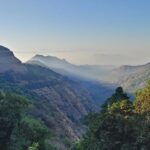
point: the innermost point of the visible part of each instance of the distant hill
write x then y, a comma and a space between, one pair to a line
61, 66
131, 78
88, 76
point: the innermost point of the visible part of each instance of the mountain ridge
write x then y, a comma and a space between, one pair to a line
9, 62
64, 67
58, 101
131, 77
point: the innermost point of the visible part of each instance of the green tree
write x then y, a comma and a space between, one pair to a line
119, 95
124, 107
11, 109
34, 146
142, 102
120, 125
33, 131
18, 130
112, 128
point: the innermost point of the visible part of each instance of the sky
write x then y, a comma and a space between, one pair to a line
82, 31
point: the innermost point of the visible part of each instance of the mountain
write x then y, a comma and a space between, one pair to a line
63, 67
56, 100
131, 78
9, 62
88, 76
61, 93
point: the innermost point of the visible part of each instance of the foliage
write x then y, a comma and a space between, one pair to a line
32, 131
142, 102
34, 146
11, 108
120, 125
119, 95
18, 131
123, 107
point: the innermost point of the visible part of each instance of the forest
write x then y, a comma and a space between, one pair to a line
121, 124
18, 130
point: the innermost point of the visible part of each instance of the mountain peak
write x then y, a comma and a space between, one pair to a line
7, 56
37, 56
8, 61
49, 59
2, 48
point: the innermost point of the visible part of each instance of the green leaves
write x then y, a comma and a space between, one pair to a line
119, 95
33, 130
124, 107
34, 146
11, 108
142, 102
120, 125
18, 131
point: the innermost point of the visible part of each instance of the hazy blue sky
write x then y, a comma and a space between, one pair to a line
81, 31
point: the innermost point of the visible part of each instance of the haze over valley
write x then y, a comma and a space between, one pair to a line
62, 93
74, 75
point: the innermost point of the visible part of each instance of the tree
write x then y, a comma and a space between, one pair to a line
33, 131
112, 128
124, 107
34, 146
120, 125
11, 109
18, 130
142, 102
119, 95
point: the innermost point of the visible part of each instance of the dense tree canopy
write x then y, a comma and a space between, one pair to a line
11, 107
119, 95
142, 103
120, 125
18, 131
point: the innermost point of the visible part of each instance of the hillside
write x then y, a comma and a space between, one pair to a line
99, 80
130, 77
61, 93
88, 76
59, 102
63, 67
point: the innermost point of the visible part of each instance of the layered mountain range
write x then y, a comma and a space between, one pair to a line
89, 76
62, 93
131, 78
64, 67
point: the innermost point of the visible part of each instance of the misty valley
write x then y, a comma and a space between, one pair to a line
49, 103
74, 74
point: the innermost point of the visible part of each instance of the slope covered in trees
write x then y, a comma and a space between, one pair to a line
18, 130
130, 77
56, 100
120, 125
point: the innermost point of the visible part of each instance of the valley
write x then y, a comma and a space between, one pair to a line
62, 94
